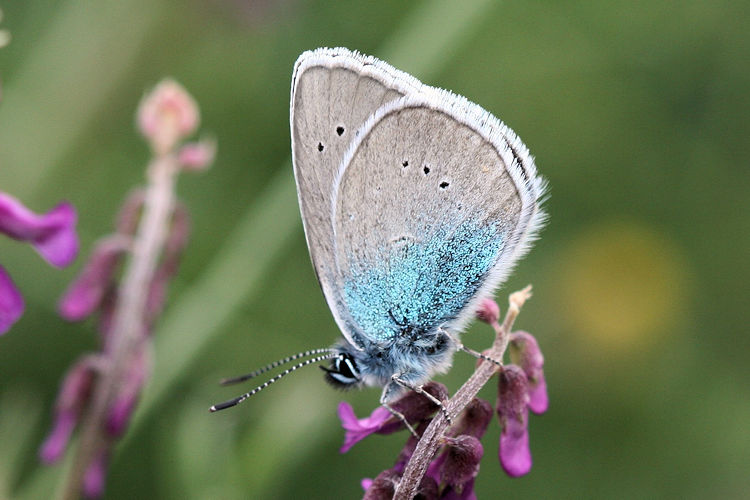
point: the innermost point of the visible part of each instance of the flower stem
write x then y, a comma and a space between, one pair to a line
432, 438
128, 328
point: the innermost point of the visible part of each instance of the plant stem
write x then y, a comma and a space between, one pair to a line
431, 440
128, 328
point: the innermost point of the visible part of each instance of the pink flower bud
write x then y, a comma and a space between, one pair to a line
166, 115
196, 156
488, 311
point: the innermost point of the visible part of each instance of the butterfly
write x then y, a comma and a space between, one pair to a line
416, 204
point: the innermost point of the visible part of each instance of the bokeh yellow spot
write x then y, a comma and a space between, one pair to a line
623, 285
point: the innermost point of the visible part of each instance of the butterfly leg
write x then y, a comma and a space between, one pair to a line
420, 390
394, 412
472, 352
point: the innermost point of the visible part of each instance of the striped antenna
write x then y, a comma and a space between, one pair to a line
271, 366
238, 400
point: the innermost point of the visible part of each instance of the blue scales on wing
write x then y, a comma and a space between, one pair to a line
418, 286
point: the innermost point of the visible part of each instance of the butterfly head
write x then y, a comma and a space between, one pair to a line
343, 373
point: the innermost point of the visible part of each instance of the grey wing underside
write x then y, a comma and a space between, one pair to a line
434, 202
333, 92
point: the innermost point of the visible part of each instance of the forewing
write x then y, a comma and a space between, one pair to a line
333, 92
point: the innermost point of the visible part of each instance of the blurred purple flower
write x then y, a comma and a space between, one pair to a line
512, 409
85, 294
125, 402
73, 397
52, 235
11, 302
94, 479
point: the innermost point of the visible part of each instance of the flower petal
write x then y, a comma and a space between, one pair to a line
462, 456
130, 390
358, 429
54, 446
525, 352
197, 156
466, 493
11, 302
513, 411
475, 419
52, 234
85, 294
95, 476
538, 399
383, 487
515, 456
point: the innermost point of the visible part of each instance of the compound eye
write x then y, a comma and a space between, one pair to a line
343, 372
347, 367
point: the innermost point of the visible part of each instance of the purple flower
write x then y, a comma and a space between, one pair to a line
414, 407
52, 235
54, 446
358, 429
475, 419
525, 352
177, 240
382, 487
95, 476
461, 464
86, 293
72, 399
11, 302
512, 409
124, 404
451, 473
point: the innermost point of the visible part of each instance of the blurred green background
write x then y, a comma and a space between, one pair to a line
636, 112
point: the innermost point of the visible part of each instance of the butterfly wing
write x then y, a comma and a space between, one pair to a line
435, 200
333, 92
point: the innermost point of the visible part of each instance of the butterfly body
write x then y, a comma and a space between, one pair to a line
416, 204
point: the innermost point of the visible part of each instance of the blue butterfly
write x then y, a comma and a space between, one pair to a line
416, 204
